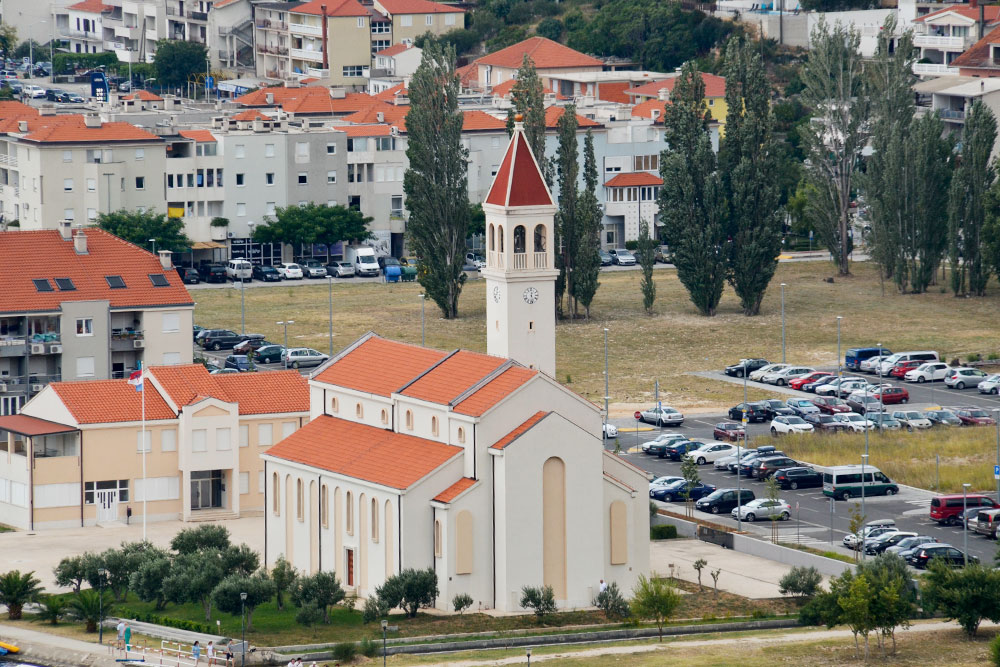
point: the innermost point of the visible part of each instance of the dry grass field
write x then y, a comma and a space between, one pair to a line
642, 348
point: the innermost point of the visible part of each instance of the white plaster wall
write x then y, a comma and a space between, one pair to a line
212, 458
479, 583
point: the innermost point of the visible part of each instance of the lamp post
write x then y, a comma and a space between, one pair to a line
243, 307
385, 626
864, 464
608, 396
996, 418
243, 628
965, 524
881, 406
528, 652
285, 323
101, 574
783, 322
839, 318
423, 330
329, 280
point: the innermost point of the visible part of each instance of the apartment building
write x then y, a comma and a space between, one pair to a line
550, 58
942, 36
230, 36
83, 304
408, 19
84, 26
77, 455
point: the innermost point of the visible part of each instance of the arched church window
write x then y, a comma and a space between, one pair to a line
539, 238
492, 238
519, 240
500, 238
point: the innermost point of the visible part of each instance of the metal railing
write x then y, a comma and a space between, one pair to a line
196, 15
8, 160
952, 114
273, 50
268, 24
934, 68
939, 41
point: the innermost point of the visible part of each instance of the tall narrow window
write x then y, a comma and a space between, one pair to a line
300, 501
374, 520
437, 538
359, 411
276, 500
409, 420
324, 505
434, 425
349, 513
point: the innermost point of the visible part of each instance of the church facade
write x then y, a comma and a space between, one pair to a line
480, 466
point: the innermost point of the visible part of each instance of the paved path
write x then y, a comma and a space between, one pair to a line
53, 649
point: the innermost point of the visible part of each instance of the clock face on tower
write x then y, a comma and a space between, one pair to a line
530, 295
496, 294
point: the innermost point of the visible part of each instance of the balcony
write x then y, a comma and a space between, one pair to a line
318, 72
268, 24
80, 34
128, 56
494, 260
939, 42
197, 16
303, 29
125, 340
952, 114
306, 54
111, 46
12, 347
8, 160
128, 32
172, 11
272, 49
933, 69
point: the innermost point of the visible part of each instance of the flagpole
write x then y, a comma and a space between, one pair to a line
145, 490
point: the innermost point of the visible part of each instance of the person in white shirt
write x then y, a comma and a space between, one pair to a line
604, 586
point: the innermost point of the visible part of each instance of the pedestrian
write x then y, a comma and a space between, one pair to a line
229, 654
121, 634
127, 636
210, 651
196, 651
604, 586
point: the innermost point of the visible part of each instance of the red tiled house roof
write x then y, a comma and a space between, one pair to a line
978, 55
333, 8
418, 7
475, 120
543, 52
715, 86
553, 114
256, 393
110, 401
455, 490
452, 377
635, 179
494, 391
379, 366
200, 136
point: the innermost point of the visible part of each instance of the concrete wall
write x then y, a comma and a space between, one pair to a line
755, 547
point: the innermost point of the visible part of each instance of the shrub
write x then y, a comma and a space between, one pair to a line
345, 651
802, 581
974, 357
550, 28
309, 614
653, 509
664, 532
611, 602
540, 599
631, 245
461, 602
993, 356
369, 648
409, 590
995, 651
371, 611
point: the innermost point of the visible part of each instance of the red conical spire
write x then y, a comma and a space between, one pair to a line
519, 181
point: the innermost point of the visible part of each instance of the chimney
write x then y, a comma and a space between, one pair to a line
973, 3
269, 98
66, 230
379, 116
92, 120
982, 19
80, 241
326, 62
663, 94
22, 126
165, 260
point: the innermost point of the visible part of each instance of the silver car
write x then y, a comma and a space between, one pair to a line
662, 416
301, 357
912, 419
764, 370
960, 378
781, 377
991, 385
762, 508
665, 438
342, 269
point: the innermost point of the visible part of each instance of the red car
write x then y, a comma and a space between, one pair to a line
971, 417
830, 405
900, 369
796, 383
729, 431
893, 395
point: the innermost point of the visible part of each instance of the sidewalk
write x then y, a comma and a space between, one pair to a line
56, 650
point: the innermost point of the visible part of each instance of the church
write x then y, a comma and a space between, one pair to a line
480, 466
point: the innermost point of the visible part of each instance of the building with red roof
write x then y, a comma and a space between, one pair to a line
944, 35
550, 59
479, 466
659, 91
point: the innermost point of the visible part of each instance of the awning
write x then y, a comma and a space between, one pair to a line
32, 426
207, 245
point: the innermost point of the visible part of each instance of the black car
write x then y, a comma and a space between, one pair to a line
943, 418
772, 407
766, 466
949, 554
676, 450
883, 542
387, 261
825, 423
723, 500
216, 339
676, 491
798, 478
810, 387
746, 366
746, 463
240, 362
188, 275
213, 273
70, 98
52, 94
267, 274
605, 258
754, 412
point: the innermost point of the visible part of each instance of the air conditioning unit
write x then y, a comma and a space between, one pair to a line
38, 348
55, 349
37, 387
138, 344
3, 387
229, 234
394, 131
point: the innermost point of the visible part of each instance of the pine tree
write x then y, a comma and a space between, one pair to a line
568, 169
692, 201
967, 201
436, 183
587, 265
748, 164
646, 258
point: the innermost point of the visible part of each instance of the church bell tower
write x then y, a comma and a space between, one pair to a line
520, 268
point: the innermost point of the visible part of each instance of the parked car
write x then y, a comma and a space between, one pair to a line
734, 465
301, 357
753, 412
312, 268
893, 359
724, 500
904, 367
851, 385
974, 417
763, 508
662, 416
267, 274
884, 421
830, 405
340, 269
987, 522
268, 354
854, 421
660, 442
622, 257
729, 431
790, 424
747, 464
658, 487
856, 356
680, 490
33, 91
711, 452
290, 271
912, 419
825, 423
948, 554
251, 343
969, 519
892, 395
216, 339
70, 98
745, 366
808, 378
868, 534
471, 260
773, 407
945, 509
239, 269
886, 540
872, 364
763, 370
213, 273
662, 254
990, 384
723, 462
609, 430
931, 371
942, 417
802, 406
765, 466
960, 378
908, 543
606, 258
188, 275
240, 362
864, 404
677, 450
781, 377
831, 388
811, 386
799, 477
196, 330
53, 93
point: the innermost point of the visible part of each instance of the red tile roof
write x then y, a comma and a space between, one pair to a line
418, 7
72, 129
91, 6
110, 401
395, 49
518, 181
9, 109
391, 114
145, 96
333, 8
219, 4
256, 393
364, 452
379, 366
978, 55
390, 94
545, 53
553, 114
613, 91
201, 136
715, 86
990, 13
494, 391
646, 109
365, 130
250, 114
473, 121
633, 180
468, 75
520, 430
454, 490
31, 426
107, 255
307, 100
453, 376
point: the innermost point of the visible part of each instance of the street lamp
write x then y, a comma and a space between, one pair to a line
783, 322
385, 626
864, 464
839, 318
285, 324
329, 280
528, 651
101, 574
965, 524
608, 396
881, 405
243, 628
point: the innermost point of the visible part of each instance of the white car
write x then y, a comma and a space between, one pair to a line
850, 385
832, 387
991, 385
960, 378
712, 452
289, 271
665, 438
912, 419
852, 541
610, 430
854, 421
662, 416
782, 376
871, 364
764, 370
790, 424
33, 91
930, 372
762, 508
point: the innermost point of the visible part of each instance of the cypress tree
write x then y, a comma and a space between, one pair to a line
587, 265
529, 101
568, 168
436, 182
646, 258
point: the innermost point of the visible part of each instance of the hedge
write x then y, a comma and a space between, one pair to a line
167, 621
663, 532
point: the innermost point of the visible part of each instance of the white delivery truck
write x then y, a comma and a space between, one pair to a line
363, 259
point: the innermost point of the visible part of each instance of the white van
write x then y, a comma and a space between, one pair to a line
363, 258
844, 482
239, 269
922, 356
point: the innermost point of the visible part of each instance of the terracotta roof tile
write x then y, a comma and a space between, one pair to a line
553, 114
107, 255
990, 13
418, 7
395, 49
454, 490
307, 99
31, 426
473, 121
390, 94
518, 181
91, 6
364, 452
110, 401
10, 108
379, 366
201, 136
145, 96
391, 114
545, 53
494, 391
71, 129
333, 8
256, 393
978, 55
219, 4
250, 114
468, 75
453, 376
715, 86
365, 130
633, 180
506, 88
520, 430
646, 109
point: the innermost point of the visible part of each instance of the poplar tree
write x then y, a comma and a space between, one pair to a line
748, 163
692, 201
587, 266
436, 182
967, 202
568, 169
529, 101
646, 258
